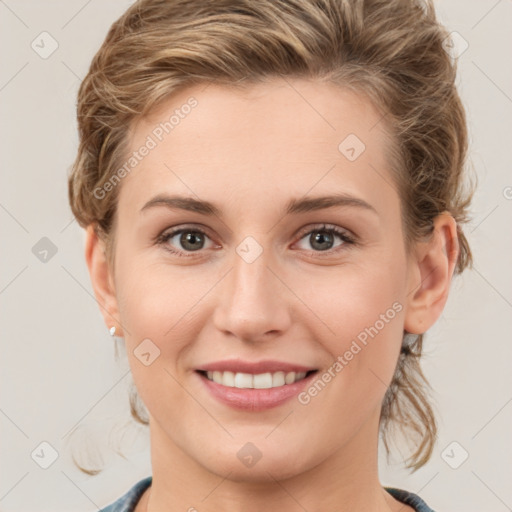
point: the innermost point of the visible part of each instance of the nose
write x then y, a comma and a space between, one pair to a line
253, 302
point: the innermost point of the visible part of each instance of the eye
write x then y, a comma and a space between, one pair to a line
187, 239
192, 239
322, 238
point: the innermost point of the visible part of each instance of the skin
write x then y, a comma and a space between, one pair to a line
249, 152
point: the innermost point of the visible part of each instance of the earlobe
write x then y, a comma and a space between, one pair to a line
434, 267
102, 279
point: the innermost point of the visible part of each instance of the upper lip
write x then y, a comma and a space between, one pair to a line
258, 367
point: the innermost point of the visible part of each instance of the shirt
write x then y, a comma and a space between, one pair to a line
128, 501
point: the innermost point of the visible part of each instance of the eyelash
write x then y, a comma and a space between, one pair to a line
164, 237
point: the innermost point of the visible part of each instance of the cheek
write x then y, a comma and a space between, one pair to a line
351, 299
149, 307
157, 314
154, 298
362, 316
166, 306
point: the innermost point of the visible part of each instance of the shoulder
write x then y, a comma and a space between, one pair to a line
409, 498
128, 501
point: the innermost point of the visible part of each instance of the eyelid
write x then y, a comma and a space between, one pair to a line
324, 226
174, 230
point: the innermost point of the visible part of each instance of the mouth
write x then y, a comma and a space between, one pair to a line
267, 380
253, 386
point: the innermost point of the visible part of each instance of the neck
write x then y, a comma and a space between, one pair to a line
346, 480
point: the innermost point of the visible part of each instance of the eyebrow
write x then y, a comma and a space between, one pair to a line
294, 206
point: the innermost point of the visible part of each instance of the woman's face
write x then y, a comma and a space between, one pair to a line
261, 280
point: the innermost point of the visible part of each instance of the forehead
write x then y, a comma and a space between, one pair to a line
278, 112
291, 135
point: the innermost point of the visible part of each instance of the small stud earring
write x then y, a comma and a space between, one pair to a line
112, 330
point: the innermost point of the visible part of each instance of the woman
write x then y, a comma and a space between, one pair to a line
272, 199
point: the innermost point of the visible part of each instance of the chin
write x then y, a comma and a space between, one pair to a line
262, 468
261, 473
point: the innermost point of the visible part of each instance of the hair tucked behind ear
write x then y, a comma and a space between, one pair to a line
389, 50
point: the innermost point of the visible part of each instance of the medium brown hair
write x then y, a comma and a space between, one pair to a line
389, 50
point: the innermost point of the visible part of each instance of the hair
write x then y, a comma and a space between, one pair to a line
390, 51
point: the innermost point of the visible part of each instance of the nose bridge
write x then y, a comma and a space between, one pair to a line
251, 302
251, 278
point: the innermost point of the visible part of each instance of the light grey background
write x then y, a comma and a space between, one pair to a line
58, 371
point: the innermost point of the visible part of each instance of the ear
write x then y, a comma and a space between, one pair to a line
102, 279
432, 270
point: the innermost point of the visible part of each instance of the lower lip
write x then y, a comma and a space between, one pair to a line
248, 399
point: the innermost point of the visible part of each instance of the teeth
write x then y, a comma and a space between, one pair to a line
242, 380
259, 381
278, 379
289, 378
228, 378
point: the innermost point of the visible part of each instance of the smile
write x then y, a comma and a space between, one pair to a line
258, 381
254, 385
